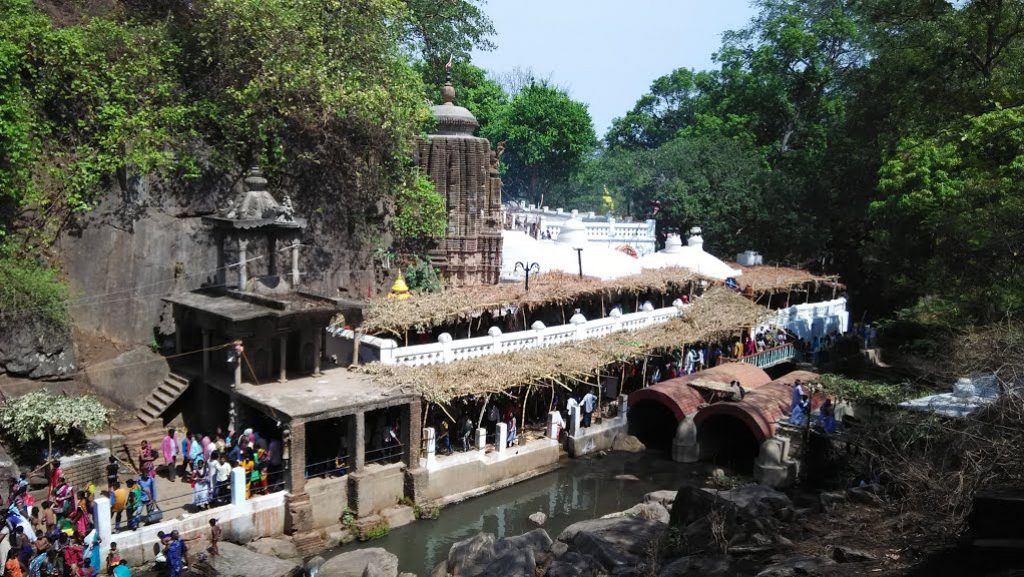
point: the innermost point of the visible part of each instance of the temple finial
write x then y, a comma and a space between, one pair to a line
448, 91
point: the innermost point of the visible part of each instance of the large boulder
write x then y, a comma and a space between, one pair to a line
372, 562
481, 555
280, 548
800, 567
666, 498
628, 444
36, 349
512, 562
697, 566
470, 557
624, 534
652, 511
572, 564
538, 542
237, 561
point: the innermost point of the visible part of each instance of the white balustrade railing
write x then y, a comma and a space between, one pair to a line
806, 320
447, 349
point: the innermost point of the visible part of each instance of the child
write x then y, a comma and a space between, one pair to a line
12, 568
214, 538
113, 558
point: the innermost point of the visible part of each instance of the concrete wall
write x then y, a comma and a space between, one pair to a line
261, 516
597, 437
328, 497
454, 478
375, 487
130, 377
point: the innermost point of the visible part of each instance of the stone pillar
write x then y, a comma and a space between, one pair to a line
222, 272
206, 356
243, 272
431, 441
574, 420
481, 440
295, 263
237, 486
318, 342
271, 256
684, 446
283, 341
411, 439
623, 405
359, 441
501, 438
101, 515
295, 482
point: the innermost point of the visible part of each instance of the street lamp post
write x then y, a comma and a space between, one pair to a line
527, 267
579, 259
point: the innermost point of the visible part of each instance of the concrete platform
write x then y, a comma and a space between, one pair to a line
335, 393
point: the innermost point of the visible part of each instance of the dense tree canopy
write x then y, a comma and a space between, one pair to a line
876, 139
547, 135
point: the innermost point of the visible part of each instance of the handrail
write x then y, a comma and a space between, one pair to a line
767, 357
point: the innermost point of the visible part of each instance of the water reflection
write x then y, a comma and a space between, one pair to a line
582, 489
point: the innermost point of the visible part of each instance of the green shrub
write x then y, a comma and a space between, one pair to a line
30, 291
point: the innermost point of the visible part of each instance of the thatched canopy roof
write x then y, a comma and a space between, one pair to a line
767, 279
427, 310
424, 311
720, 313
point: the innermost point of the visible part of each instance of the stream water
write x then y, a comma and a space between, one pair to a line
582, 489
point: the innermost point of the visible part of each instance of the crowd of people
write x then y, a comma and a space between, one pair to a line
830, 413
57, 537
206, 461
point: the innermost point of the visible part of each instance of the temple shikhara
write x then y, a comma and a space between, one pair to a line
464, 170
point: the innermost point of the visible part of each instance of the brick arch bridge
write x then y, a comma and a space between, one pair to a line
655, 411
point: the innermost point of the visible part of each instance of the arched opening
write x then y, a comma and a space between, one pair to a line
727, 441
653, 423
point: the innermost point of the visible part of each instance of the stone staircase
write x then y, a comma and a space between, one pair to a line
161, 398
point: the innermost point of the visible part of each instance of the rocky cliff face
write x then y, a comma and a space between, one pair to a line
144, 242
37, 351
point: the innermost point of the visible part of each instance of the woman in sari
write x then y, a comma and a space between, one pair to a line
80, 516
200, 485
146, 459
64, 498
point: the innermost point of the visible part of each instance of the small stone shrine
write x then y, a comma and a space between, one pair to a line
251, 302
464, 170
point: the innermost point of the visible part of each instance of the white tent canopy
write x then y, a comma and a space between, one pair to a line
560, 254
691, 256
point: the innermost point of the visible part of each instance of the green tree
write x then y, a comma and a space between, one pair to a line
42, 416
547, 136
420, 215
438, 30
672, 104
951, 215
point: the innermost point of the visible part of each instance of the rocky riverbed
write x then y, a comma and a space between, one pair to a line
748, 530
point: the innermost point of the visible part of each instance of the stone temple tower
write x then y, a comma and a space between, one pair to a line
464, 170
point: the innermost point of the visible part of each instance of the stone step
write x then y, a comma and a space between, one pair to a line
162, 397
